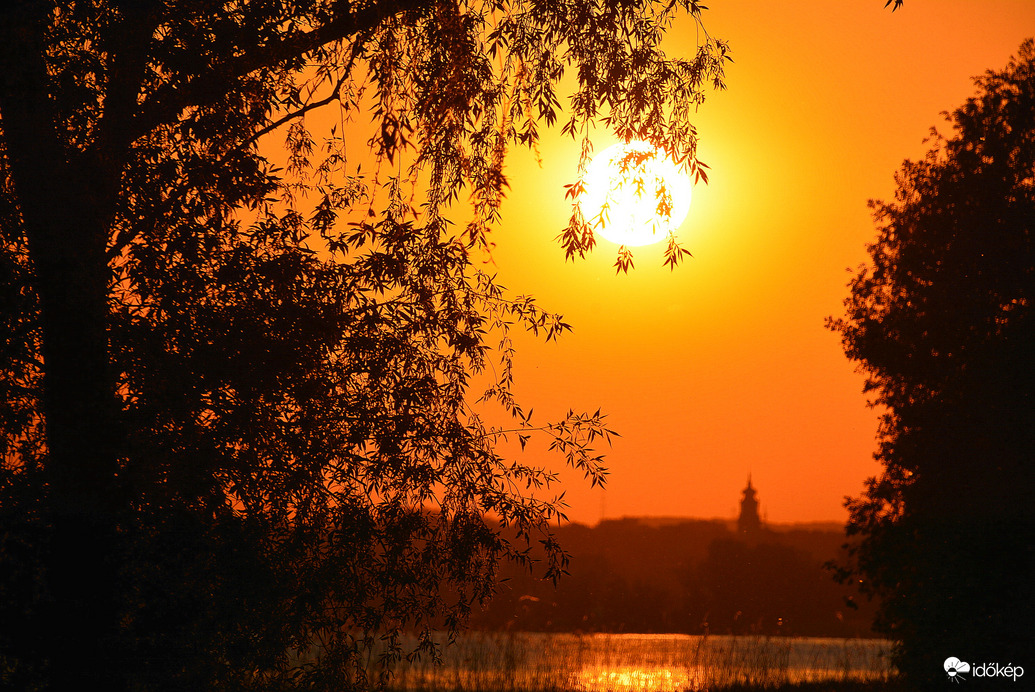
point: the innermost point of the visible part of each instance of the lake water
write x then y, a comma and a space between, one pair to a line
528, 662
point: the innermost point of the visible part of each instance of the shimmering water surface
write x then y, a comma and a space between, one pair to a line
628, 662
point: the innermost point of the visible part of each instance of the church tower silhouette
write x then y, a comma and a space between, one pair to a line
748, 521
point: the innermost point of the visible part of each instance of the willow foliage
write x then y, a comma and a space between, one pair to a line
241, 437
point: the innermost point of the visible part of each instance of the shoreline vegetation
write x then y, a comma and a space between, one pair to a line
889, 685
555, 662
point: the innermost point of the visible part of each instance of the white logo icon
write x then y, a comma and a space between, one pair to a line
955, 668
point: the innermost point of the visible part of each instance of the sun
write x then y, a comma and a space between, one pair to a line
634, 194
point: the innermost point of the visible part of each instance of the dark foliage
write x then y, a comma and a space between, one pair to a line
941, 322
240, 432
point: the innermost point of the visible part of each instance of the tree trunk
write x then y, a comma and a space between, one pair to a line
82, 499
65, 205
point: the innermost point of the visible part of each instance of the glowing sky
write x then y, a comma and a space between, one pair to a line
723, 367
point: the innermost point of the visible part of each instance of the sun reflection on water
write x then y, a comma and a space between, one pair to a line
596, 678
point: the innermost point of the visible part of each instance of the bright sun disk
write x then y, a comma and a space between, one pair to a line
634, 194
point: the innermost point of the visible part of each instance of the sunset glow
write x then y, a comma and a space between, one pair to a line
319, 373
723, 366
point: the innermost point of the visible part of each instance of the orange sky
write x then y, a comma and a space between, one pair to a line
723, 367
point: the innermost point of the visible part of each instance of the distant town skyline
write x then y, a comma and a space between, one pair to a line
732, 519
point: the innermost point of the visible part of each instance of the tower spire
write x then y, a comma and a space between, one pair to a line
748, 521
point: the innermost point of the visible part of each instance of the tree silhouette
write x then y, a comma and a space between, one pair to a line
941, 322
240, 441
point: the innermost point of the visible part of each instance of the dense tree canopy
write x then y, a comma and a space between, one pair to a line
240, 438
941, 322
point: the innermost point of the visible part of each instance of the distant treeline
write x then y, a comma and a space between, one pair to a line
690, 576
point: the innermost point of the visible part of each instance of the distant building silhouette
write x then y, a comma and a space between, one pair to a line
748, 521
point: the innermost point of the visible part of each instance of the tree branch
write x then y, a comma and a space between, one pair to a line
333, 96
203, 89
128, 50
